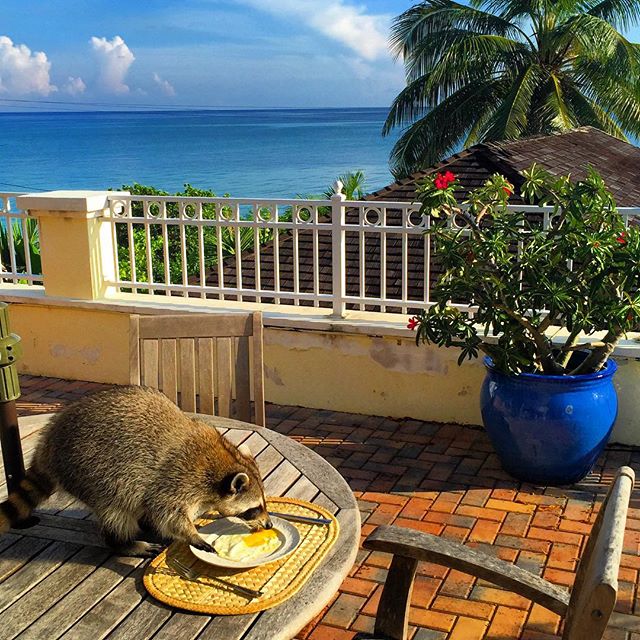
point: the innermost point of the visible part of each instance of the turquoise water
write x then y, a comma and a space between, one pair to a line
266, 153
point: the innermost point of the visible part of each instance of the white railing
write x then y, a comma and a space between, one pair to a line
367, 255
19, 244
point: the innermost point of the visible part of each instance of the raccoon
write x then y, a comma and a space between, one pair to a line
138, 462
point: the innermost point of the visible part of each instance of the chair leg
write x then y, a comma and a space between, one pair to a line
393, 611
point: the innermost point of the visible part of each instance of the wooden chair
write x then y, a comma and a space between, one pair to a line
586, 609
195, 357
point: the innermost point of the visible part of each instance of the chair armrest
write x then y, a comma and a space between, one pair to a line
408, 543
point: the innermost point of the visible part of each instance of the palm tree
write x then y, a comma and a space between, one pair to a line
502, 69
353, 185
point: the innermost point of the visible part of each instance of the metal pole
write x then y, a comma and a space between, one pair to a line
10, 351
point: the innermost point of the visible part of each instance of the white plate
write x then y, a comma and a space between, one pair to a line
288, 534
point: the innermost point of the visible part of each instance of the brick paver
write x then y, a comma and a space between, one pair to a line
446, 480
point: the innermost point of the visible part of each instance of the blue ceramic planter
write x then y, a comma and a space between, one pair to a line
549, 429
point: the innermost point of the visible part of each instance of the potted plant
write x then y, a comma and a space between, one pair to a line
550, 296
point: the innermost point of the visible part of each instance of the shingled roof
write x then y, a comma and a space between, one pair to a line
567, 153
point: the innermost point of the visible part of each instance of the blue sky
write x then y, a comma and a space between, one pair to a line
254, 53
234, 53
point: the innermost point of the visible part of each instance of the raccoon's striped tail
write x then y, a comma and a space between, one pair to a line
33, 489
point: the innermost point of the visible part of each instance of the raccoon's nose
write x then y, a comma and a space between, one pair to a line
268, 524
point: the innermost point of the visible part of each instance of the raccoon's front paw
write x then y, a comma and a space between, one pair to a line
138, 549
151, 550
202, 545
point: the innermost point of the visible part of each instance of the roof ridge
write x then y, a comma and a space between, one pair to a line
507, 144
423, 173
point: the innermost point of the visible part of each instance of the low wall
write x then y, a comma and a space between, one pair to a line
384, 375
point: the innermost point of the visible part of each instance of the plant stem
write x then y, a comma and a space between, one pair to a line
568, 346
597, 358
549, 365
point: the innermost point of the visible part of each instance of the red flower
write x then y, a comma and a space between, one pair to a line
413, 323
507, 191
596, 244
443, 181
622, 238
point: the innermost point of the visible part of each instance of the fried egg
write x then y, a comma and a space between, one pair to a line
242, 547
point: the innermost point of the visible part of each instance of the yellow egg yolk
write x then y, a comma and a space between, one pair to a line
260, 537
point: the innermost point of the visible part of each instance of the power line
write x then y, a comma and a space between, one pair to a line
21, 186
26, 102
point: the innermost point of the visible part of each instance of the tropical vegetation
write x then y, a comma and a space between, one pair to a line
24, 244
503, 69
526, 284
212, 237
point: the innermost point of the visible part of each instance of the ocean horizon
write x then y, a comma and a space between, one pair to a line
243, 153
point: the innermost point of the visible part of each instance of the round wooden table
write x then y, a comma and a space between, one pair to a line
57, 579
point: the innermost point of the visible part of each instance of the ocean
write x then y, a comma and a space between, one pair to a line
266, 153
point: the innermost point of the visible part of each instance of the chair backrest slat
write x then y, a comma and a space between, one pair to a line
206, 384
596, 585
243, 380
196, 326
224, 353
187, 357
258, 370
169, 366
150, 364
203, 362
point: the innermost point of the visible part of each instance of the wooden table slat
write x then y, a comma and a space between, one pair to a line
18, 555
44, 595
303, 489
7, 540
281, 478
88, 593
65, 535
143, 622
110, 611
228, 627
182, 626
318, 470
29, 575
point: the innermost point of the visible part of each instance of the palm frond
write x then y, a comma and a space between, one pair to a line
510, 119
622, 14
599, 40
431, 17
410, 103
618, 97
563, 114
588, 112
443, 129
466, 50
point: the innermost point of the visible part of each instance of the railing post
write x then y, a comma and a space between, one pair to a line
76, 242
10, 351
338, 250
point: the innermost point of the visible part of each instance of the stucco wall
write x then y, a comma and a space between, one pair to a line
387, 376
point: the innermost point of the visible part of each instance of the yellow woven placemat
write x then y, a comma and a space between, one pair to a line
277, 580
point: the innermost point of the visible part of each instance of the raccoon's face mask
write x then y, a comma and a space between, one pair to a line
244, 499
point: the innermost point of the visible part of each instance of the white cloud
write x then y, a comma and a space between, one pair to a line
164, 85
114, 59
75, 86
23, 72
364, 33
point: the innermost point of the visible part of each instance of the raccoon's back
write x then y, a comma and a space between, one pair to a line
114, 439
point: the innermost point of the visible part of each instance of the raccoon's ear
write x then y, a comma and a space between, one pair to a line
245, 451
237, 482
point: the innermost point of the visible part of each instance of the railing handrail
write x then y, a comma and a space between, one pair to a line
347, 231
320, 202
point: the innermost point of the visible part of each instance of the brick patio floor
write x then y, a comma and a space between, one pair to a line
446, 480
